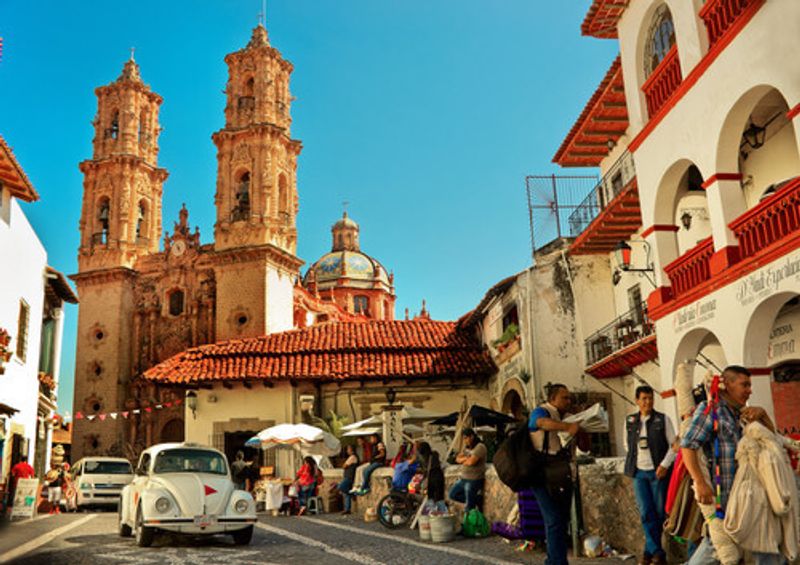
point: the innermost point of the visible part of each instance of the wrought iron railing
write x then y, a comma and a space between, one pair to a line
626, 330
613, 182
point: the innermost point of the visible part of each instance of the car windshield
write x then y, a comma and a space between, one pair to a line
107, 468
190, 461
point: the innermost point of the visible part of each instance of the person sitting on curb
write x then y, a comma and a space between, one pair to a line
378, 460
473, 470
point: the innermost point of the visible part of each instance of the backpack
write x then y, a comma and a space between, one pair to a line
475, 524
518, 465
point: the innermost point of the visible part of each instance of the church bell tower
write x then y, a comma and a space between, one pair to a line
120, 222
255, 234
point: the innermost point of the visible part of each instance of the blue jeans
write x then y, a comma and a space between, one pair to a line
466, 491
555, 512
368, 473
704, 555
304, 493
344, 488
651, 497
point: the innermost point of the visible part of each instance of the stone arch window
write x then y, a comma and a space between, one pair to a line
141, 220
113, 128
361, 304
660, 39
176, 301
283, 197
103, 217
241, 210
247, 101
144, 126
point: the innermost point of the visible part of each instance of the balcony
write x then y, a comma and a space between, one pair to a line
772, 221
691, 269
609, 213
721, 16
663, 82
623, 344
765, 232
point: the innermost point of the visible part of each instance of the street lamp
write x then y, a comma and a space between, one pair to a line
623, 253
686, 220
754, 135
391, 395
191, 402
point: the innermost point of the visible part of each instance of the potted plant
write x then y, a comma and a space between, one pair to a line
5, 352
510, 334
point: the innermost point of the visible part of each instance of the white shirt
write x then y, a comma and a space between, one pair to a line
644, 461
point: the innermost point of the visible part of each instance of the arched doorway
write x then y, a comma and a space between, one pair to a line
172, 431
513, 405
702, 350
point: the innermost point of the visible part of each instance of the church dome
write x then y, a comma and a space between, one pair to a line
354, 265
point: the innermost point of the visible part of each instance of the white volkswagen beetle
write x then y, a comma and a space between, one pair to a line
184, 488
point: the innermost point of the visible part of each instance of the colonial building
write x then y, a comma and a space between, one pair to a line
142, 304
694, 129
31, 321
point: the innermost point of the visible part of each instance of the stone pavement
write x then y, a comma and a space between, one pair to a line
78, 539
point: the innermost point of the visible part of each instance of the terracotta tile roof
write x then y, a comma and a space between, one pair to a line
13, 177
472, 317
333, 352
604, 119
602, 18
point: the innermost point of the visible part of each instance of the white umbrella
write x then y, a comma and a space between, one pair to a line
363, 432
305, 438
408, 413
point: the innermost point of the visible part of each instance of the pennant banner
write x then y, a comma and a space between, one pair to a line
126, 413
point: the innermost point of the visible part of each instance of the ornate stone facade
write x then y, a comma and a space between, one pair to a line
141, 305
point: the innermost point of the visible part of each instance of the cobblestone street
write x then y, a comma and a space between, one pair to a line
92, 538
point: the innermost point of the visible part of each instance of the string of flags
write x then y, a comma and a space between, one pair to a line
127, 413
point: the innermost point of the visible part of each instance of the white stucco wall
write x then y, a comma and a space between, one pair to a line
22, 254
280, 300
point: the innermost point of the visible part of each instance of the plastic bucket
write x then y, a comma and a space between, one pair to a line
424, 523
443, 528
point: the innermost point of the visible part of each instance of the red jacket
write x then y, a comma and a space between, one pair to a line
22, 471
304, 476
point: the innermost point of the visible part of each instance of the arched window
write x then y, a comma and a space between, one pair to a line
176, 303
144, 122
283, 196
361, 304
113, 130
660, 39
141, 220
103, 216
242, 209
247, 100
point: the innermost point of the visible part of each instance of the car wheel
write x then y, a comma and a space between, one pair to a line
144, 534
124, 529
243, 536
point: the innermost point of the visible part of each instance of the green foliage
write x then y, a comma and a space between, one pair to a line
336, 423
509, 334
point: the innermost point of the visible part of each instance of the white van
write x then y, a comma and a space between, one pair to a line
98, 481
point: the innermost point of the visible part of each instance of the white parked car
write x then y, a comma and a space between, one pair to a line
97, 481
185, 488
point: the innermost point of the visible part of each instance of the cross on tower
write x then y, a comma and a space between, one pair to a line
345, 204
132, 50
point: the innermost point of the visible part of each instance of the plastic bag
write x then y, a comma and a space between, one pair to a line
475, 524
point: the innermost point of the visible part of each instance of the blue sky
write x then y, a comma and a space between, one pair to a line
425, 115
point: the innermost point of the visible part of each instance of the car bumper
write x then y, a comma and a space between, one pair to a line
99, 498
187, 526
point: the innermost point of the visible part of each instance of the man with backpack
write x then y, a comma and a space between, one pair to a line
553, 491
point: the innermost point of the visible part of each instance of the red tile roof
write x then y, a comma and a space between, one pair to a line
604, 119
13, 177
336, 351
602, 18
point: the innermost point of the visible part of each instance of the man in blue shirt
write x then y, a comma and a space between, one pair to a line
555, 499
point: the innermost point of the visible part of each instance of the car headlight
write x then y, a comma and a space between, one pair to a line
241, 506
86, 486
163, 504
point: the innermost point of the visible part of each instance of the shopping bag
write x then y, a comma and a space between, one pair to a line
475, 524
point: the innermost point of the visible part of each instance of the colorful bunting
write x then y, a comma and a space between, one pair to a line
126, 413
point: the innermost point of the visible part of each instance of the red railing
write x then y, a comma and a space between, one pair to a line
720, 15
692, 268
663, 81
770, 221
